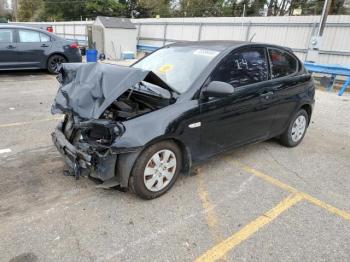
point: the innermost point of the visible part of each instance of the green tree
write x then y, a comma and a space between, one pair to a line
4, 14
105, 8
29, 10
62, 10
152, 8
197, 8
256, 7
232, 8
67, 10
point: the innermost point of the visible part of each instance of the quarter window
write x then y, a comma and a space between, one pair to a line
28, 36
282, 63
242, 67
6, 35
44, 38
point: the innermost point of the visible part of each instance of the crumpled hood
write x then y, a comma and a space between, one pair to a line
86, 90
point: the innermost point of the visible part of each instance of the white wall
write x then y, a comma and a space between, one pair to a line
291, 31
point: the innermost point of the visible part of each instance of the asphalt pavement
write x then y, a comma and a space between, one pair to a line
261, 202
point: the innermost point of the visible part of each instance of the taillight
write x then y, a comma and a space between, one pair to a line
74, 45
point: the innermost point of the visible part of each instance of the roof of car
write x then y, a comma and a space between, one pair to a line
27, 27
221, 45
21, 27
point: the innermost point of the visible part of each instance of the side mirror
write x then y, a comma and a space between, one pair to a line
218, 89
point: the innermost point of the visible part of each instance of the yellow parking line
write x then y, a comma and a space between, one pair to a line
311, 199
211, 217
326, 206
269, 179
30, 122
218, 251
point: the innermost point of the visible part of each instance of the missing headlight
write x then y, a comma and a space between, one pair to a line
100, 131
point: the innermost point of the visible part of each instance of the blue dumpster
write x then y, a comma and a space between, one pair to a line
91, 55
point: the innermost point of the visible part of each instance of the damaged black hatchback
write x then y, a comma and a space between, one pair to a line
138, 127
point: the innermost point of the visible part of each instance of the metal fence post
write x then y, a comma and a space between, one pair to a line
74, 31
200, 31
314, 25
248, 31
165, 31
138, 33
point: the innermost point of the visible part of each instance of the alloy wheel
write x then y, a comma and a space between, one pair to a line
55, 62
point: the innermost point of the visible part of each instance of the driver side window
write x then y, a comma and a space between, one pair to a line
242, 67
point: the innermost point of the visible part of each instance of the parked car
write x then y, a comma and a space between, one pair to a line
30, 48
139, 126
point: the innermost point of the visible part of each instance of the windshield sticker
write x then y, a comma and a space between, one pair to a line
206, 52
165, 68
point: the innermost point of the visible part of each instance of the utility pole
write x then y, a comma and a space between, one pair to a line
315, 41
243, 14
325, 11
15, 6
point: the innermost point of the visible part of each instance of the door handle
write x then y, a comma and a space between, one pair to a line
11, 47
267, 95
44, 45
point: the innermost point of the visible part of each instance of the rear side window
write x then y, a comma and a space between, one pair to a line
28, 36
6, 35
44, 38
282, 63
243, 67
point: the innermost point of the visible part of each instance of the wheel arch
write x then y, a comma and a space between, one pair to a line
308, 109
185, 152
56, 53
126, 162
305, 106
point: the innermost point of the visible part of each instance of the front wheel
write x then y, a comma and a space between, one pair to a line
296, 129
54, 62
156, 170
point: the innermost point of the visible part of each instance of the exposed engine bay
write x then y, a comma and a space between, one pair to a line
134, 103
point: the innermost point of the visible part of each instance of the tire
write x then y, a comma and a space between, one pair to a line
53, 62
296, 129
150, 179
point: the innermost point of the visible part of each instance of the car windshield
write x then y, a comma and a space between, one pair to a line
178, 66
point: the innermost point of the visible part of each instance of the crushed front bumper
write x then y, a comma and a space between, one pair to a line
75, 158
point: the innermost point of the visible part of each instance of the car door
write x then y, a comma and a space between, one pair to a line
8, 55
33, 47
289, 85
247, 114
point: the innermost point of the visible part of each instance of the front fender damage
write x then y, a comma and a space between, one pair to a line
99, 158
98, 100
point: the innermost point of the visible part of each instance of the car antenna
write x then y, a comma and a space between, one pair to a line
252, 37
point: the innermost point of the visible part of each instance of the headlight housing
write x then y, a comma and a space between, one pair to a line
100, 131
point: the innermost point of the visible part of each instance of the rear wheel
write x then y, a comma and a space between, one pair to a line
54, 62
156, 170
296, 129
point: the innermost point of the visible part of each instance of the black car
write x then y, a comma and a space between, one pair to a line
30, 48
139, 126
